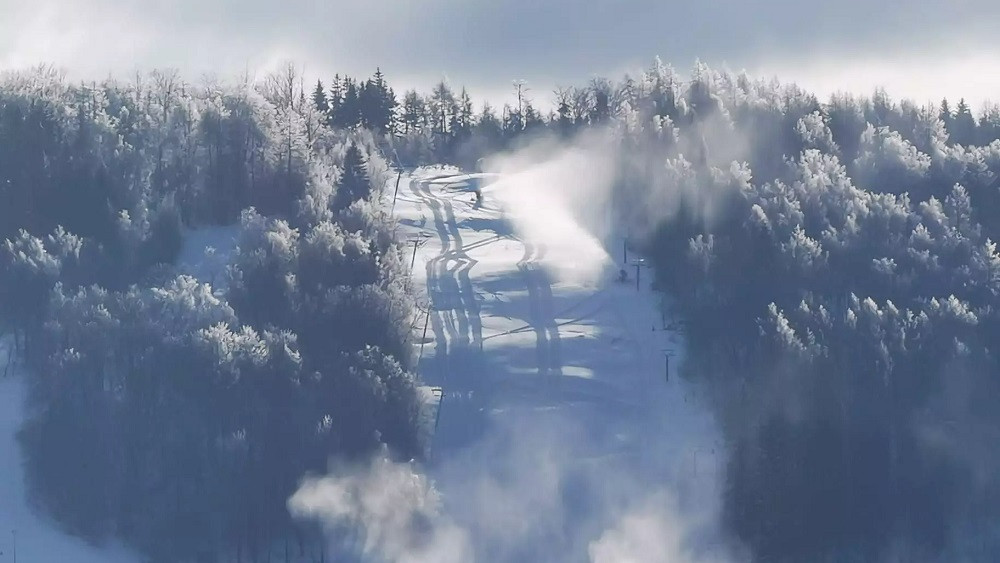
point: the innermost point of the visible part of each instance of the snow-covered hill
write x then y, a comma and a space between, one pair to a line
558, 419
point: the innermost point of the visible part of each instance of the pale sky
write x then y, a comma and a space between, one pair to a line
920, 49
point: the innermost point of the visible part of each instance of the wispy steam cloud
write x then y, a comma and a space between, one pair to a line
522, 494
652, 531
385, 511
558, 195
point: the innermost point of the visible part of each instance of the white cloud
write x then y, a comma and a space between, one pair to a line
486, 45
957, 73
393, 508
652, 532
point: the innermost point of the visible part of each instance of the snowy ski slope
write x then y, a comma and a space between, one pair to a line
514, 335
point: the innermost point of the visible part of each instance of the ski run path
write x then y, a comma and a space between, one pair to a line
563, 365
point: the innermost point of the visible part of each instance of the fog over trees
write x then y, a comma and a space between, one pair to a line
833, 263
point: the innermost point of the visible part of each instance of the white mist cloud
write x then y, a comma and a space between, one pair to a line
653, 532
385, 511
572, 195
523, 493
558, 195
542, 487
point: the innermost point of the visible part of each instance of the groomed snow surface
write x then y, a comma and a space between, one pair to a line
560, 436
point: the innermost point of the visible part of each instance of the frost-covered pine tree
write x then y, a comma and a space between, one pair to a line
354, 184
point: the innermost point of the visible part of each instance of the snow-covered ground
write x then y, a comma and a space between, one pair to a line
557, 408
37, 538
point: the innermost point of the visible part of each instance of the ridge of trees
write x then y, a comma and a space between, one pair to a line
444, 126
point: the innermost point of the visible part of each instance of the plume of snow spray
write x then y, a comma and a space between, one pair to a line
653, 530
520, 494
558, 195
385, 511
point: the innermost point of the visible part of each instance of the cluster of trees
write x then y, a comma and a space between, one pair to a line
835, 269
171, 414
350, 103
963, 127
443, 126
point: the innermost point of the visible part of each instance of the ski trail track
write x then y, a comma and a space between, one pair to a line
510, 336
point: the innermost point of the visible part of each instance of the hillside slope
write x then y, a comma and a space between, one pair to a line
557, 407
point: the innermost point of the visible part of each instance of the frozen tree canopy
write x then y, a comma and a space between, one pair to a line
833, 262
171, 414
